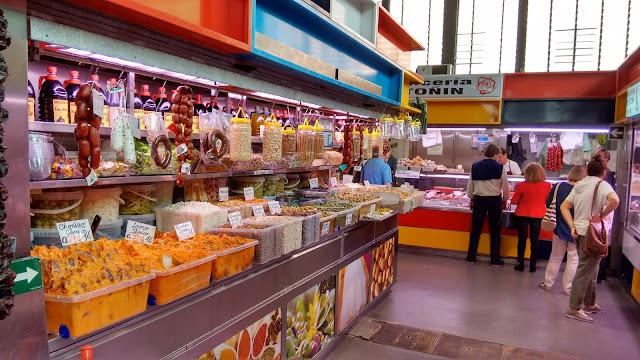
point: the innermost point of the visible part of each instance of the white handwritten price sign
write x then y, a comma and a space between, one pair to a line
333, 181
223, 194
185, 230
348, 220
74, 232
325, 228
235, 219
258, 211
248, 193
139, 232
274, 207
92, 178
407, 174
181, 149
372, 209
313, 183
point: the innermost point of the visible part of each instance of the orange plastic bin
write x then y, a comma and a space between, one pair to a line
180, 281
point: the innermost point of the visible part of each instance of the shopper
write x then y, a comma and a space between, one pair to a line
581, 199
511, 167
388, 156
530, 198
562, 240
488, 190
610, 177
376, 171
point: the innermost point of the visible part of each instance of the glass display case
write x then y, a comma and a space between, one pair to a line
633, 214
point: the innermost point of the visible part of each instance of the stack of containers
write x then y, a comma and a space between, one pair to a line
269, 239
203, 216
50, 208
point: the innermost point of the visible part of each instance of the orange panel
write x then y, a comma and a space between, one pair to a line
227, 28
394, 32
629, 71
621, 107
560, 85
463, 112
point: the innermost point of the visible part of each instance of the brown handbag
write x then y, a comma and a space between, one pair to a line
595, 243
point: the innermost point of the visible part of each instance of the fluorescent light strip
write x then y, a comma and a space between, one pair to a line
564, 130
457, 129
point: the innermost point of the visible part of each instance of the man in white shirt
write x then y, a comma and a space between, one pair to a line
581, 200
510, 166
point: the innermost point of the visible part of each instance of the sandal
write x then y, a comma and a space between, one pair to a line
544, 287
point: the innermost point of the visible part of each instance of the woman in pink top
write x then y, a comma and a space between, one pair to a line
530, 196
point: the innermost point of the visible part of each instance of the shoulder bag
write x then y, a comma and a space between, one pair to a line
595, 242
509, 220
549, 220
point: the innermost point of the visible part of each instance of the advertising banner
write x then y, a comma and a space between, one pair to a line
458, 86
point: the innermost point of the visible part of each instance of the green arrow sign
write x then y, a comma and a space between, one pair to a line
28, 275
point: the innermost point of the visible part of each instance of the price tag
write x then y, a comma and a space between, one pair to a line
134, 124
92, 178
407, 174
223, 194
457, 193
185, 230
140, 232
325, 228
313, 183
74, 232
186, 169
333, 181
348, 220
274, 207
357, 168
372, 209
366, 183
263, 172
181, 149
258, 211
248, 193
235, 219
97, 99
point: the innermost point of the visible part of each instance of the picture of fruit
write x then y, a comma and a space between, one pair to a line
353, 290
311, 320
382, 270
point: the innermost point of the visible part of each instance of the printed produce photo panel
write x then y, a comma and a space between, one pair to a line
311, 320
259, 341
383, 259
353, 290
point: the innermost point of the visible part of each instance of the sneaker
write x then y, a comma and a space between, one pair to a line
578, 315
497, 263
543, 286
595, 309
471, 261
519, 267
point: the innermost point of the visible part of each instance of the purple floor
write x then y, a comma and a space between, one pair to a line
498, 305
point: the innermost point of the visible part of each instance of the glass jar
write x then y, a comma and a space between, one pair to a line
272, 140
400, 131
288, 141
386, 127
240, 138
318, 140
355, 143
414, 133
367, 147
305, 143
375, 139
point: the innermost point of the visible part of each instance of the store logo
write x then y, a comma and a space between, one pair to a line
486, 85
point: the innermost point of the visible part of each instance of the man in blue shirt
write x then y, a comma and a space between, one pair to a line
376, 171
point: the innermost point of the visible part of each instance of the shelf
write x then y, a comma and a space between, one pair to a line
57, 128
136, 179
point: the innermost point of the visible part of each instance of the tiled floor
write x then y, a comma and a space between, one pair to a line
498, 305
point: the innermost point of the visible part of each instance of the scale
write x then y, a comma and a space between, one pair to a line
480, 141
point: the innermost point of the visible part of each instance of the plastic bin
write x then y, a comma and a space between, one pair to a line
232, 261
180, 281
50, 208
149, 219
311, 229
164, 194
342, 217
46, 237
291, 230
269, 245
418, 198
110, 230
101, 201
368, 207
74, 316
138, 199
201, 221
327, 225
245, 211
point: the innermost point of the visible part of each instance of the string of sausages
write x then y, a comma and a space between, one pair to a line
182, 117
87, 130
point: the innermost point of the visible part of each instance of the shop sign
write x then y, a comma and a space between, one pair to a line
633, 101
28, 275
459, 86
616, 132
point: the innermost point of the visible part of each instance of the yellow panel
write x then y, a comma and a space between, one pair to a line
463, 112
635, 285
456, 241
621, 107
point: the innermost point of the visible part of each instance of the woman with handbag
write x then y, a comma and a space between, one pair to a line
530, 197
592, 200
562, 240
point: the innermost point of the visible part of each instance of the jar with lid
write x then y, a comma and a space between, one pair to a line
306, 139
240, 138
318, 146
355, 143
414, 132
272, 140
257, 122
400, 130
288, 140
367, 147
386, 126
375, 139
